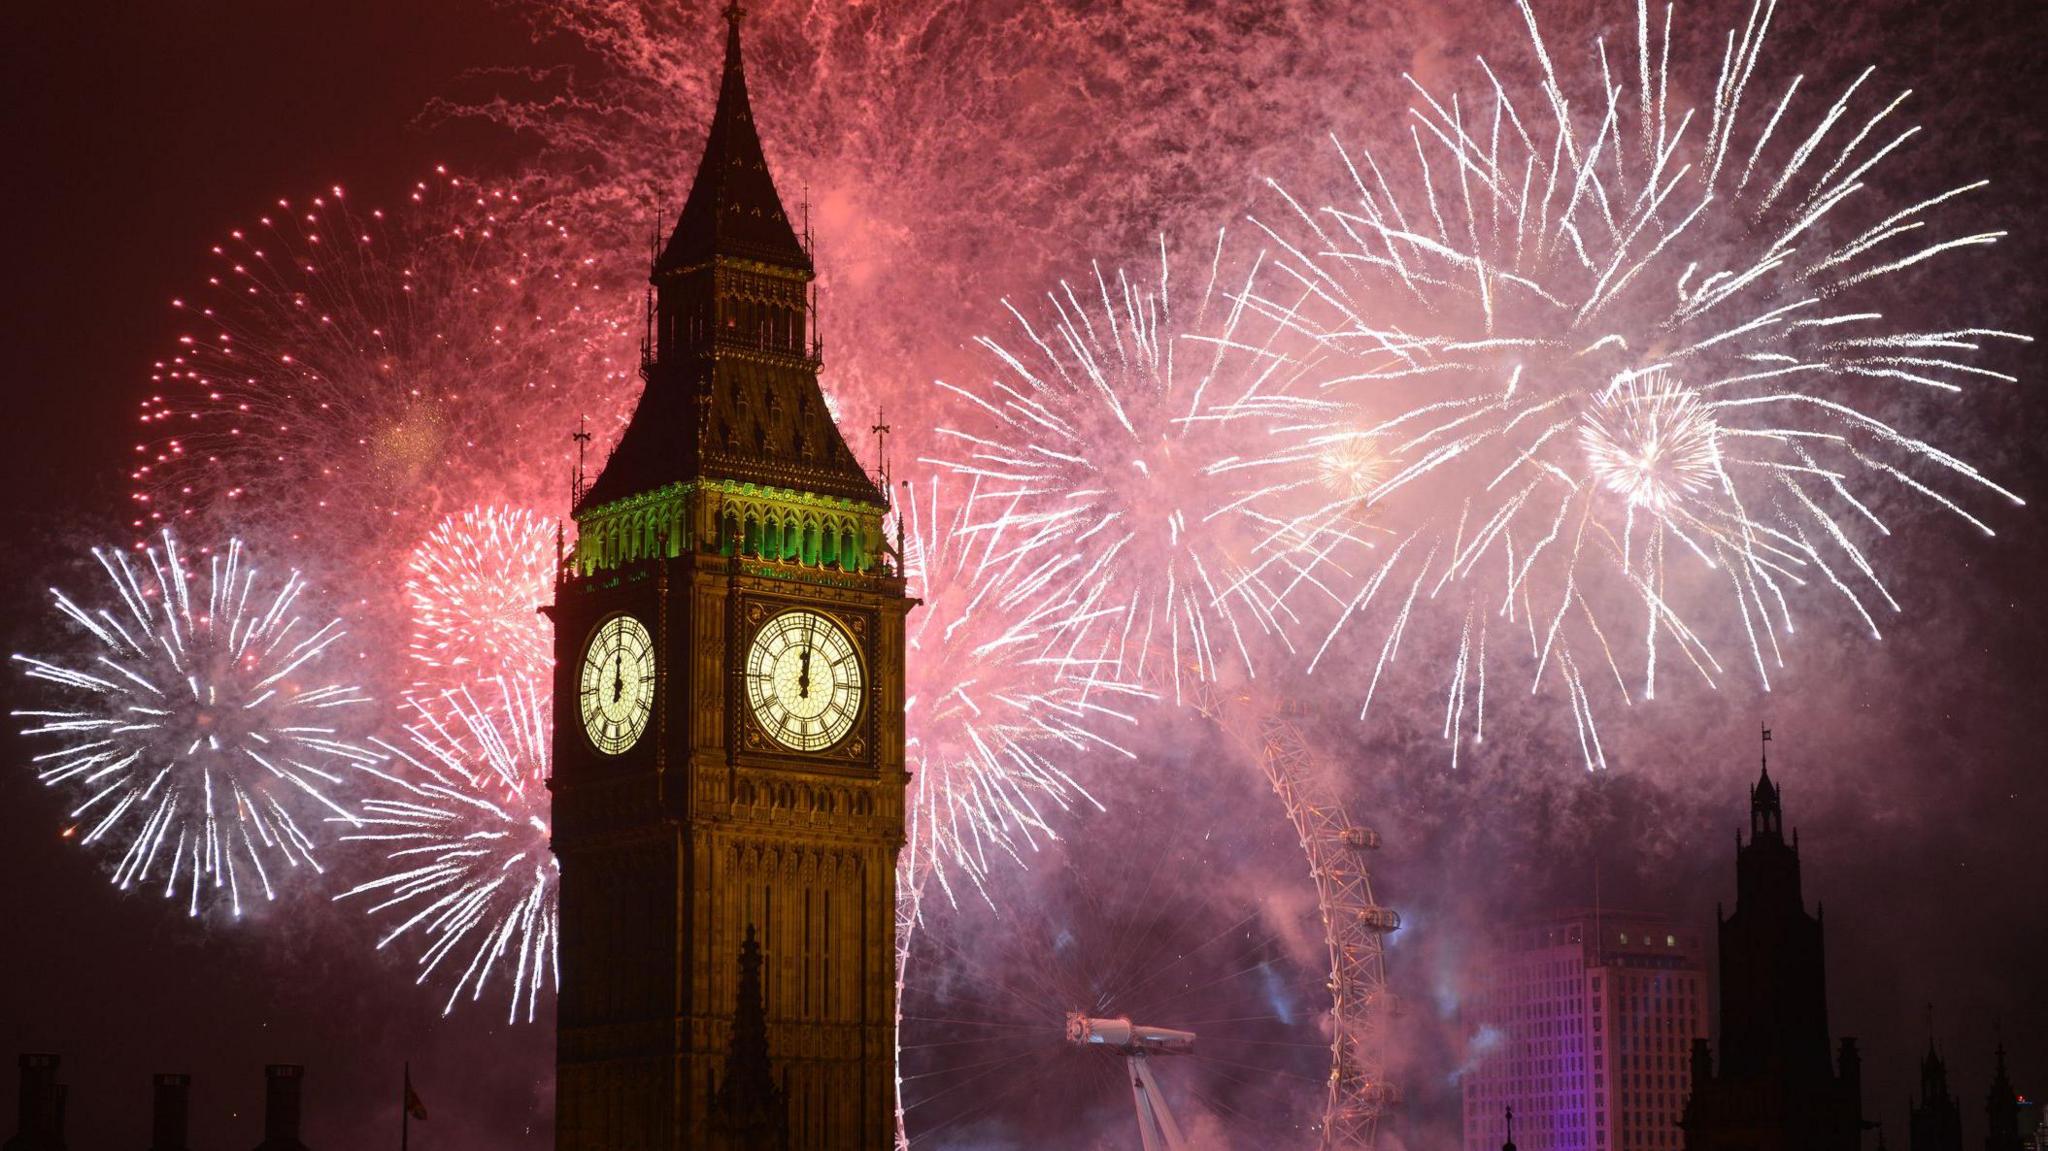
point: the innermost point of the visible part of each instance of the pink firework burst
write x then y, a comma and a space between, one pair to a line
359, 374
1003, 707
1647, 380
475, 585
1158, 430
469, 884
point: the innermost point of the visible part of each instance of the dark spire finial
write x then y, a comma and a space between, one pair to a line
748, 1108
733, 208
1765, 813
1510, 1144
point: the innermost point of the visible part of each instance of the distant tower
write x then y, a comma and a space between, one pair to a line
40, 1122
1936, 1122
1776, 1088
281, 1107
2002, 1111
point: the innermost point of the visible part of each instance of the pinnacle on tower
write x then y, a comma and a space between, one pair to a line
732, 349
748, 1108
2001, 1110
1766, 812
733, 209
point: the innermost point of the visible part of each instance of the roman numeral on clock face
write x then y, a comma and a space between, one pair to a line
616, 684
803, 679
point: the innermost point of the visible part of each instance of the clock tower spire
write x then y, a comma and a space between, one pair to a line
728, 747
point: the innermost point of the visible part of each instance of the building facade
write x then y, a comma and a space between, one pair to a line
1584, 1021
39, 1121
728, 742
1775, 1086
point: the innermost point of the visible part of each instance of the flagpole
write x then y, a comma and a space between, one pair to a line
405, 1111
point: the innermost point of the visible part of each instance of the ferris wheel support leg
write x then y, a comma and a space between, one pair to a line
1156, 1125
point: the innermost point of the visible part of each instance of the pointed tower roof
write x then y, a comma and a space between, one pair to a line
2001, 1082
1933, 1074
733, 353
733, 209
748, 1111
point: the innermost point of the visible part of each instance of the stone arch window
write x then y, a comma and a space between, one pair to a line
729, 533
750, 542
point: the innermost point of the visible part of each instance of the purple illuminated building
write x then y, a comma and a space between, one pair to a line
1582, 1026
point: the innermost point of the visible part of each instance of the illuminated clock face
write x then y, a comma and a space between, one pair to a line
617, 684
803, 680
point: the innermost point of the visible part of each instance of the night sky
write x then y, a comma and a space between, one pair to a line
1913, 767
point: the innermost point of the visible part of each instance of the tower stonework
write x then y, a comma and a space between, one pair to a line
729, 704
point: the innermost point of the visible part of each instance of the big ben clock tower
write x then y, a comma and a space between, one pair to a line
728, 757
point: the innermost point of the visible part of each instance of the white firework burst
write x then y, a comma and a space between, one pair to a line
201, 731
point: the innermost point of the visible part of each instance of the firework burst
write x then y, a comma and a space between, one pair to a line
1652, 443
1639, 374
1196, 101
1156, 450
475, 586
1000, 704
360, 374
199, 726
463, 826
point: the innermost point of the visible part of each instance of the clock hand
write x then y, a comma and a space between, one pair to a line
803, 678
618, 676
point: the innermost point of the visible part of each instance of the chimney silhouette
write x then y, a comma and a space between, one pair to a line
281, 1082
170, 1112
40, 1123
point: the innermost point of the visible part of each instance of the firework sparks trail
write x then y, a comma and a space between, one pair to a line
1634, 376
905, 161
1159, 456
1001, 703
463, 826
475, 585
198, 726
359, 375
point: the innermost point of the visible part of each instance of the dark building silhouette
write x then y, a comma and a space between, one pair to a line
1935, 1123
2002, 1111
1776, 1088
281, 1103
729, 731
39, 1125
170, 1112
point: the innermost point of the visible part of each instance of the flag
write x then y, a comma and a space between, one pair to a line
413, 1106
